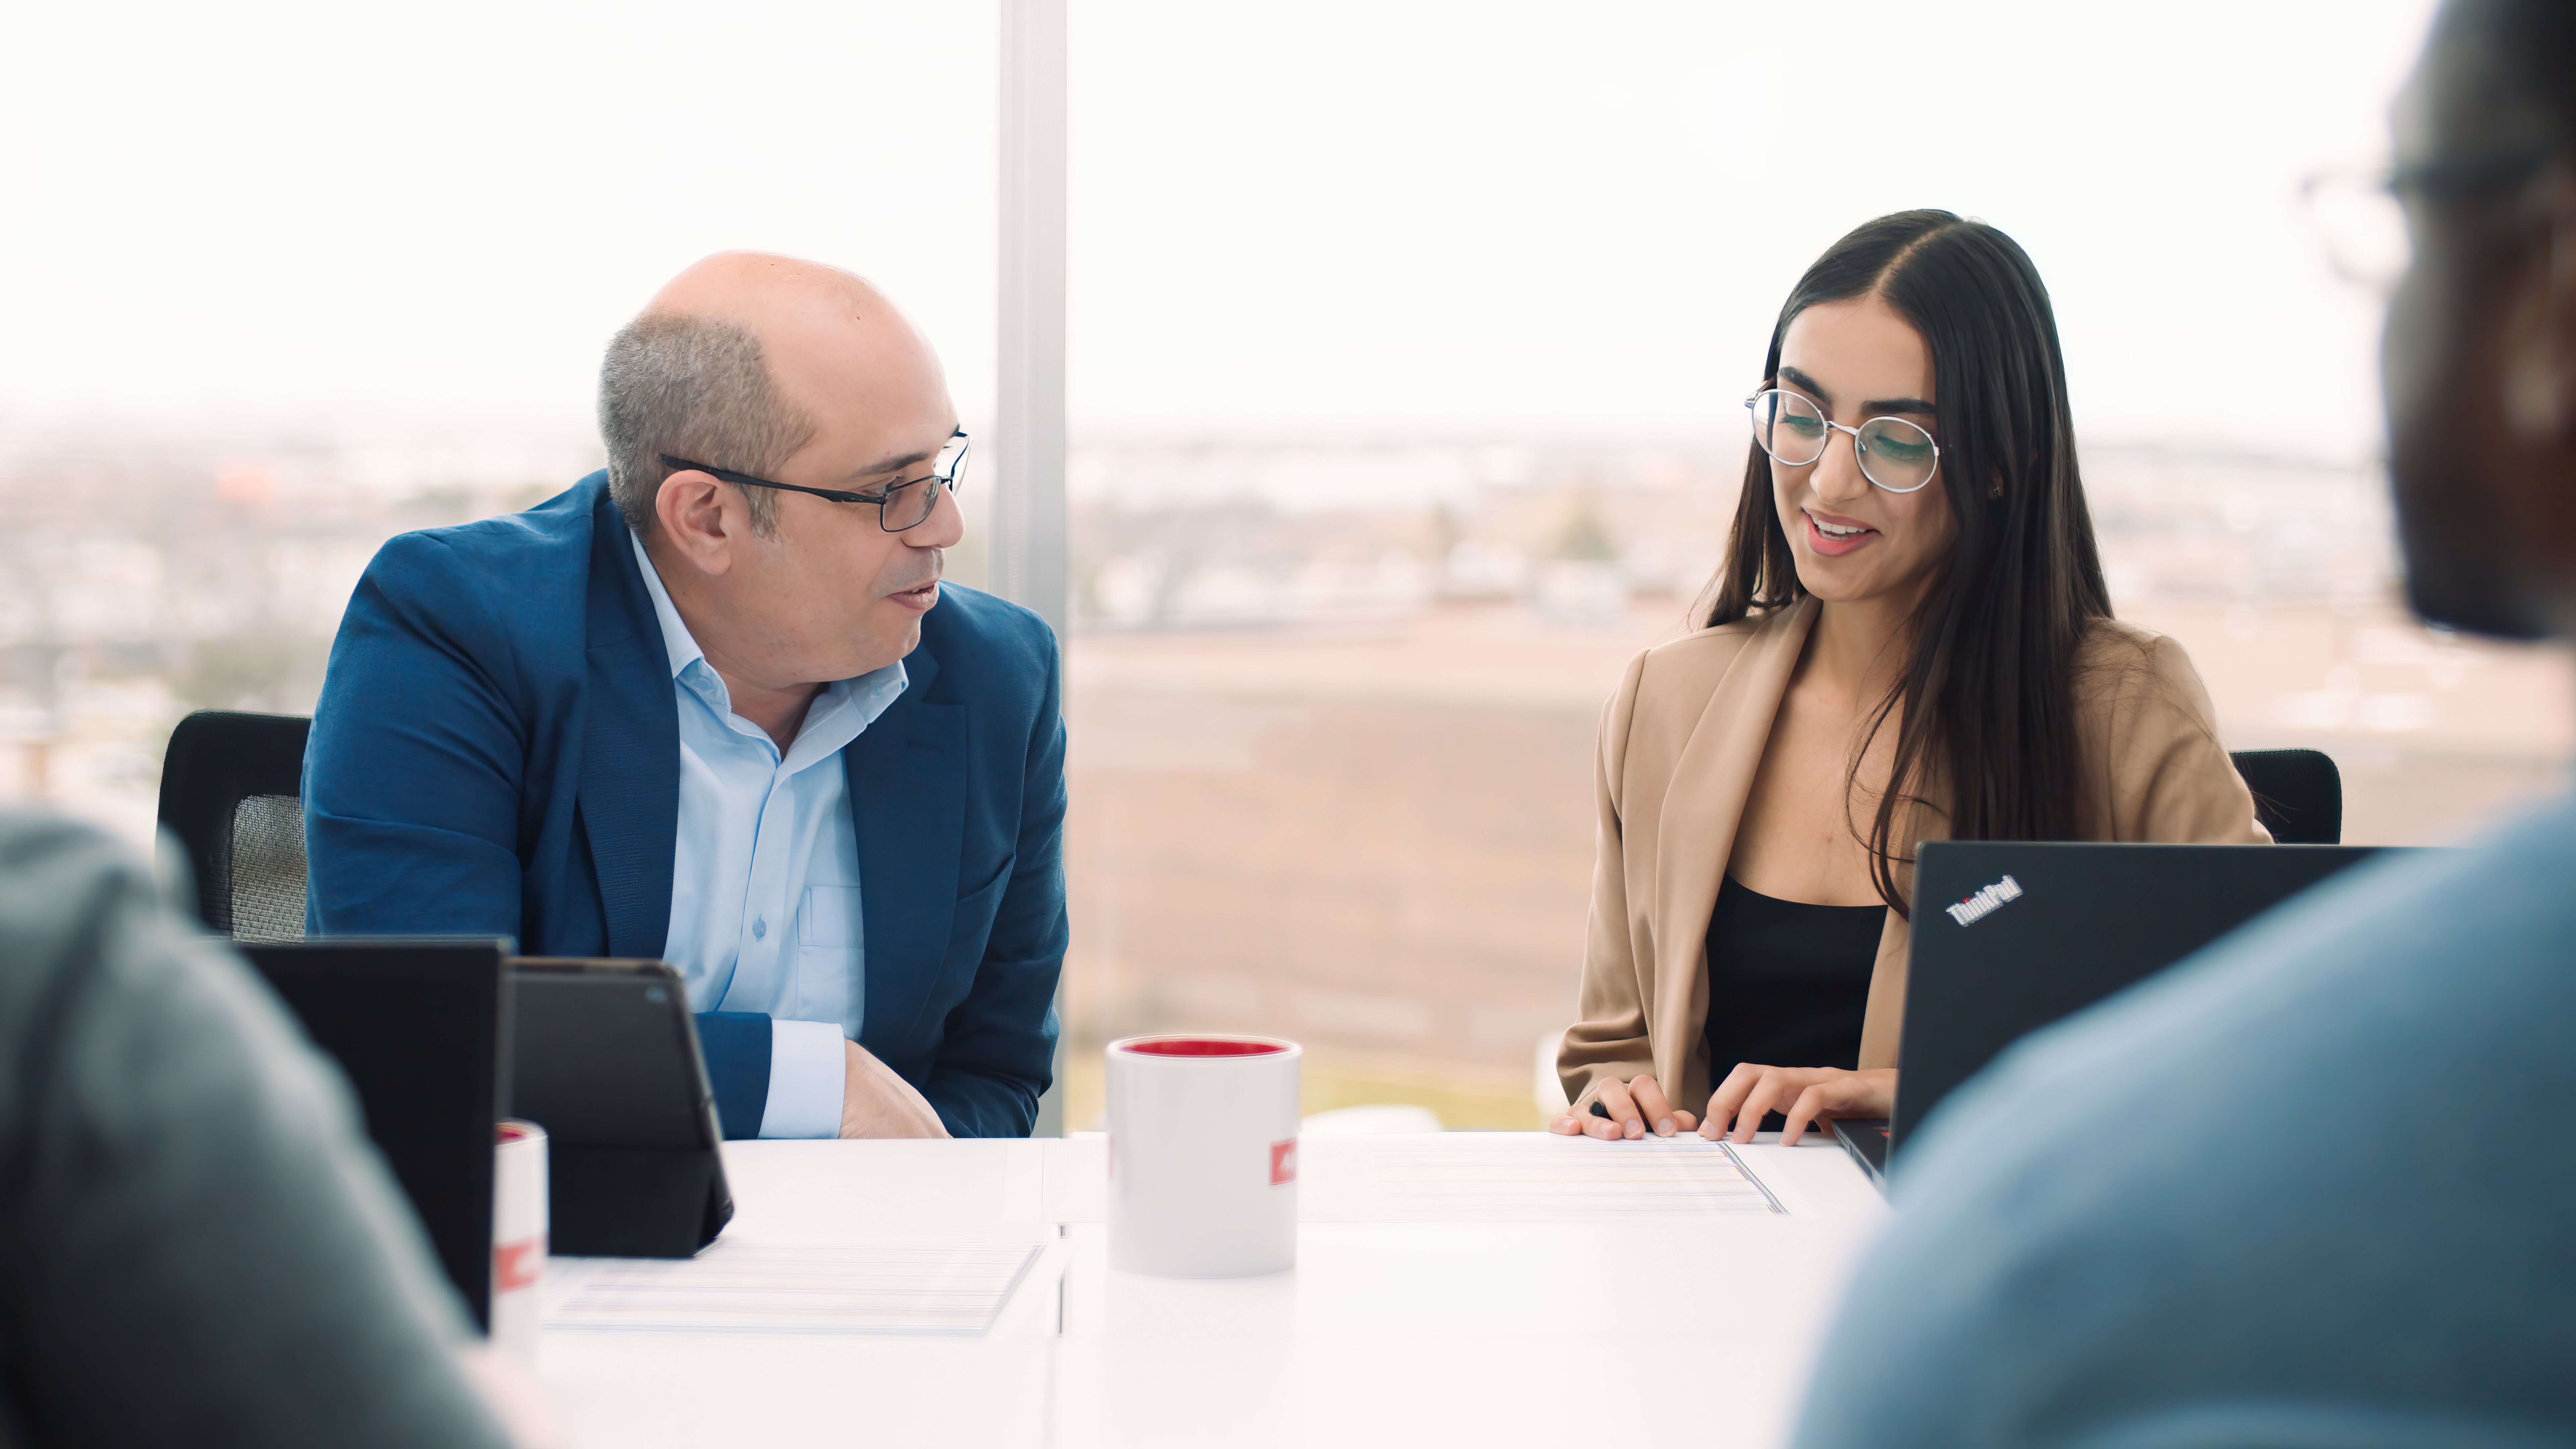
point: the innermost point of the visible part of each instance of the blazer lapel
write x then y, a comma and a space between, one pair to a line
1883, 1023
630, 748
908, 777
1714, 775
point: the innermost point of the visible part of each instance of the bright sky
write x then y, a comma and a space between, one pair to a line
1455, 219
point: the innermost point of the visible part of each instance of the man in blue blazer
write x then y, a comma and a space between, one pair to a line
714, 705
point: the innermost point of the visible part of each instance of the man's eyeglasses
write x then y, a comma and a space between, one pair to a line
1894, 454
903, 505
2360, 216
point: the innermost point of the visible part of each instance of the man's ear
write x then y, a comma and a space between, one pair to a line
2539, 373
702, 519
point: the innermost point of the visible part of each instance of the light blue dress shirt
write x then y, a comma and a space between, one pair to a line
765, 881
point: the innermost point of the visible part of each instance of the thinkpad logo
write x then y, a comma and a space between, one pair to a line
1986, 902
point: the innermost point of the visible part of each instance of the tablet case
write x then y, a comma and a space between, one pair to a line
606, 1059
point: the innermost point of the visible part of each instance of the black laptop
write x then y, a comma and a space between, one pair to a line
2009, 936
420, 1027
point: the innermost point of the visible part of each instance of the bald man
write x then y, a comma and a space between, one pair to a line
715, 705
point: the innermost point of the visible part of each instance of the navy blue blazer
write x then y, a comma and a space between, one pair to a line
497, 751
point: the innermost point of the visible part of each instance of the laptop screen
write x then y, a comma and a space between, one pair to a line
417, 1027
2009, 936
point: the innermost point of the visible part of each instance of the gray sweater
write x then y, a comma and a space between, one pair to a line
197, 1243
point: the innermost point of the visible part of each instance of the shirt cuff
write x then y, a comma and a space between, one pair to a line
807, 1065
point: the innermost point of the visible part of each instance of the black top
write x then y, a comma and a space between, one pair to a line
1788, 982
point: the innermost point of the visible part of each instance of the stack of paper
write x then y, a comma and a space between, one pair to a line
953, 1290
1524, 1177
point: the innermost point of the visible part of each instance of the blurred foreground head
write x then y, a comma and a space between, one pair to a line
2479, 359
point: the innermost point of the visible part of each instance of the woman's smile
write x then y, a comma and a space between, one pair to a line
1833, 535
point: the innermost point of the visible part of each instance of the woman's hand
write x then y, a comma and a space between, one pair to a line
1804, 1095
1633, 1105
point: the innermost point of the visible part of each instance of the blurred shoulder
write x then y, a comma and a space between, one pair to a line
77, 904
52, 870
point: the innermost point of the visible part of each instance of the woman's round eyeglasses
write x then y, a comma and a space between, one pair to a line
1894, 454
903, 505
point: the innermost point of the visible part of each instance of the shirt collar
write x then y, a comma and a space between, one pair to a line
838, 715
677, 641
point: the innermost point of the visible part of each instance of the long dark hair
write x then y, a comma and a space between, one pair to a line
1986, 704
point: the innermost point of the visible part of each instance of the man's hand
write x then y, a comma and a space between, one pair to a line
877, 1103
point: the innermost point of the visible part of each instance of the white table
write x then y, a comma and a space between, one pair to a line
1657, 1331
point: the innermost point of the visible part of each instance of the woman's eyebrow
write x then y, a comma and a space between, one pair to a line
1806, 384
1874, 408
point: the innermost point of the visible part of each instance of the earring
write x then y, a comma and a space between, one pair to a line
1995, 489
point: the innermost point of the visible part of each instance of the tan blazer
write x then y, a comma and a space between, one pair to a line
1679, 744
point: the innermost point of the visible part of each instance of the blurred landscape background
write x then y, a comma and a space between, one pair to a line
1331, 706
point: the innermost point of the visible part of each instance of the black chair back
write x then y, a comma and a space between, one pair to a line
2298, 794
232, 789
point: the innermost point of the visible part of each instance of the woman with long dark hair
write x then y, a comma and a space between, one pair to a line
1909, 640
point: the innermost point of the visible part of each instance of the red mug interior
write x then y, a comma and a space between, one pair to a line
1203, 1046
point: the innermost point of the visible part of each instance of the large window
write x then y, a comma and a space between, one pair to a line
1406, 342
282, 280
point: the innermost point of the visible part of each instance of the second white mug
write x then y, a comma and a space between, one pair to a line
518, 1237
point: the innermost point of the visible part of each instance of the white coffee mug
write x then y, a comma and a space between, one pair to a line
518, 1236
1203, 1155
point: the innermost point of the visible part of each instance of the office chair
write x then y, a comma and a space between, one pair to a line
2298, 794
232, 790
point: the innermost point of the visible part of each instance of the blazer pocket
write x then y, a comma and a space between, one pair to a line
969, 929
972, 924
1000, 878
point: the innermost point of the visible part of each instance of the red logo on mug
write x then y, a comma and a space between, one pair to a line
516, 1265
1283, 1162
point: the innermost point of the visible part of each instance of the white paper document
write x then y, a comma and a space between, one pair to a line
1525, 1177
898, 1289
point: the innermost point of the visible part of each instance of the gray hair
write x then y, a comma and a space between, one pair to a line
698, 389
